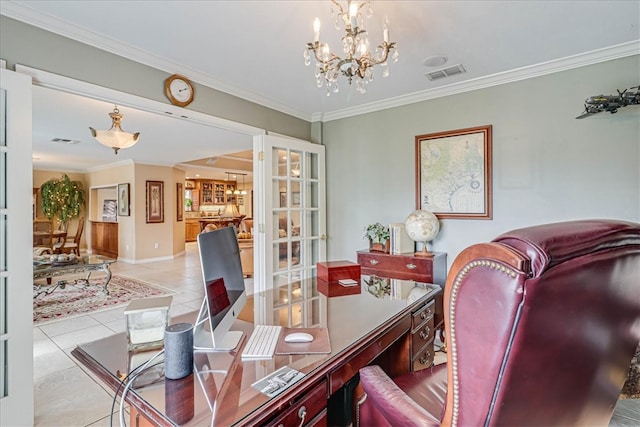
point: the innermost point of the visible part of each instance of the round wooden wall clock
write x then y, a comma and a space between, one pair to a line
179, 90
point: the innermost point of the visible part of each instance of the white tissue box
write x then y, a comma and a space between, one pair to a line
146, 320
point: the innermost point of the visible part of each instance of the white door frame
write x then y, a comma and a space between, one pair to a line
268, 208
16, 268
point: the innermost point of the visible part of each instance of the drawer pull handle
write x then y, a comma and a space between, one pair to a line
425, 333
424, 315
429, 312
411, 266
302, 412
424, 359
373, 261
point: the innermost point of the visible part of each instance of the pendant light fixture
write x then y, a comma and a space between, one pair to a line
115, 137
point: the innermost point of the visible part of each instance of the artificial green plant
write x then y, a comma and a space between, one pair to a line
62, 198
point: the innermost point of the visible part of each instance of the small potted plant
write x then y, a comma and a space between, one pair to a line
378, 236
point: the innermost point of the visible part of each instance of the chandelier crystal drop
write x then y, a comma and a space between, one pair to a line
358, 61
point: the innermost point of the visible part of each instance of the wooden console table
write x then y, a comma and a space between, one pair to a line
363, 329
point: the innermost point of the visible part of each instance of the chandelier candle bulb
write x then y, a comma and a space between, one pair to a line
316, 30
385, 31
353, 11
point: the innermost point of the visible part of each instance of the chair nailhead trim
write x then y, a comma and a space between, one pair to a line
452, 332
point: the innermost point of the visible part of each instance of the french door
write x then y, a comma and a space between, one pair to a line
291, 202
16, 269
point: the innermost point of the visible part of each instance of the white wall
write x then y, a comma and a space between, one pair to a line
547, 166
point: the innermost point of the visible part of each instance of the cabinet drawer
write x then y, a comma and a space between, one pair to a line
423, 315
397, 266
303, 411
423, 335
424, 359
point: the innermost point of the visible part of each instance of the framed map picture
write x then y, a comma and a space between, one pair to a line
453, 173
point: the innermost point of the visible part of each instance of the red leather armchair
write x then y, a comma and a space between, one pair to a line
541, 325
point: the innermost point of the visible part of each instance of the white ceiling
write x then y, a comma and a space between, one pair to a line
253, 49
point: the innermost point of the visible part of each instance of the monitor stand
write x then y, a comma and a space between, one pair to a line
203, 334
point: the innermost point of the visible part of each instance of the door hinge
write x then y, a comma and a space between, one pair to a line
261, 155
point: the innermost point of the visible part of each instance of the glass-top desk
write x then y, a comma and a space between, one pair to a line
382, 321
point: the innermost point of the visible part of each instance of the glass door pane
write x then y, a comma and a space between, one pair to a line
294, 199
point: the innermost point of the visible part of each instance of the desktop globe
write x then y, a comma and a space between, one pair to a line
422, 226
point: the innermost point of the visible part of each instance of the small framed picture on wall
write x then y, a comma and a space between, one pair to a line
155, 201
124, 200
179, 201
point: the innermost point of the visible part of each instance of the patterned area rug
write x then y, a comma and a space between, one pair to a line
77, 300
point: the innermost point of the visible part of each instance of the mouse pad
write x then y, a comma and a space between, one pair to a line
320, 343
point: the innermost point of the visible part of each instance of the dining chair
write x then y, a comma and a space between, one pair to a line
74, 244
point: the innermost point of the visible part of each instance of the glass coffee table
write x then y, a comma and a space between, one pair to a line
46, 269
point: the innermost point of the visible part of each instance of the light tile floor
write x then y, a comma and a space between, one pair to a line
66, 395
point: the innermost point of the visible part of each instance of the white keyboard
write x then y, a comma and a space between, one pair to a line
262, 342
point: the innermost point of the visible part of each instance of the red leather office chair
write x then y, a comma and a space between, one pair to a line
541, 327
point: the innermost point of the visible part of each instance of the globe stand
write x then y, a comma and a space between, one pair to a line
424, 252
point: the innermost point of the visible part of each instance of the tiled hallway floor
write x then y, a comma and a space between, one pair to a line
67, 396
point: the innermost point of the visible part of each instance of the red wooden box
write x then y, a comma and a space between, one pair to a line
332, 271
335, 289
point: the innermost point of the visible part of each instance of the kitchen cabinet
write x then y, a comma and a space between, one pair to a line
191, 229
215, 192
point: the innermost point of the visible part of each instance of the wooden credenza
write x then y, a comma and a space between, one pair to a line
405, 266
104, 238
429, 318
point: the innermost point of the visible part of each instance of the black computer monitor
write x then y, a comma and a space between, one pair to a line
224, 290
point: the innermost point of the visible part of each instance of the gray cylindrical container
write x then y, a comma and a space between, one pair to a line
178, 350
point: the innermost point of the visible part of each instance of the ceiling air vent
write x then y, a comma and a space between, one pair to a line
65, 141
446, 72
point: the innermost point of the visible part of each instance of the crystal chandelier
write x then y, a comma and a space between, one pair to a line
358, 61
115, 137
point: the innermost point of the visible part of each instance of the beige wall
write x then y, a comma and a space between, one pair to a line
147, 235
136, 238
110, 178
171, 204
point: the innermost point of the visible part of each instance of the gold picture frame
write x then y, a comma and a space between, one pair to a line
155, 201
179, 201
453, 173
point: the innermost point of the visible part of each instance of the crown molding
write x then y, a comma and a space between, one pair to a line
109, 166
47, 22
576, 61
58, 26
